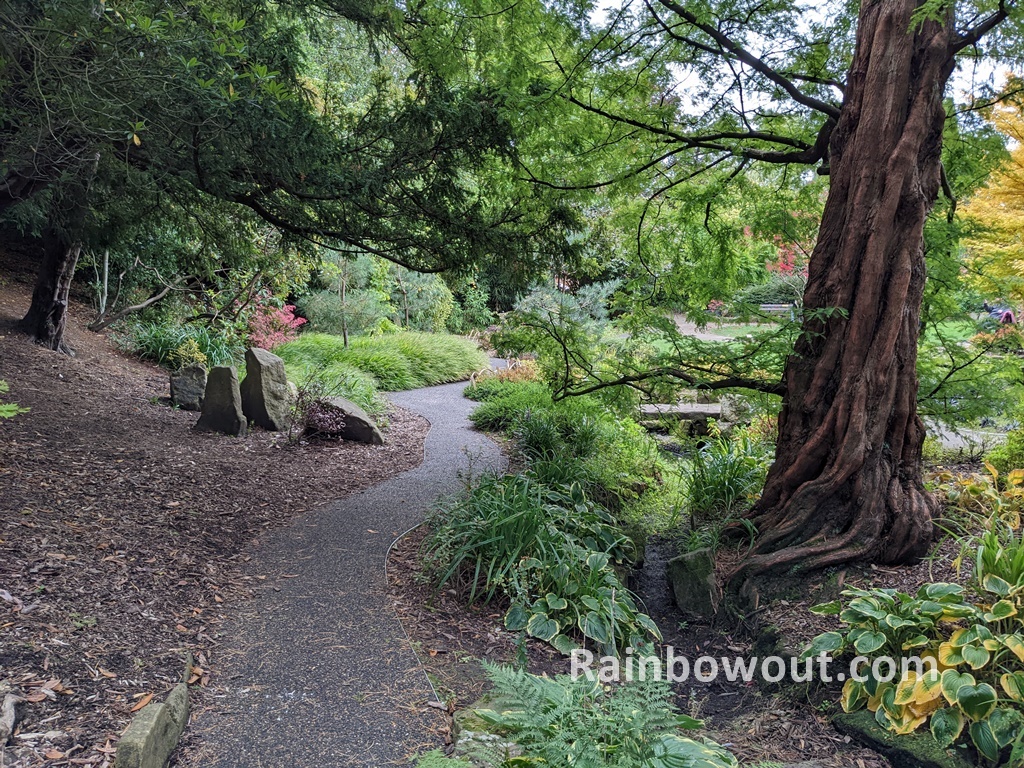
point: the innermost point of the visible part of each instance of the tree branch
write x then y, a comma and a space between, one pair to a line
732, 382
973, 35
752, 61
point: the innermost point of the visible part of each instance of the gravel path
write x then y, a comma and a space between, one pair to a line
320, 670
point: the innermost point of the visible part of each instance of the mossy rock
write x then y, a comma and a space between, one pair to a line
474, 741
914, 750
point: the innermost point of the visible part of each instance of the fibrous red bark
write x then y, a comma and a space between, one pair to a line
846, 483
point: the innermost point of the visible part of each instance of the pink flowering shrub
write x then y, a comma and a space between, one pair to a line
271, 326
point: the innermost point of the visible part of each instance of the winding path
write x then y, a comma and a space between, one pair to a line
321, 673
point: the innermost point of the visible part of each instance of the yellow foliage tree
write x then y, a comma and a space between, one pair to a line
996, 247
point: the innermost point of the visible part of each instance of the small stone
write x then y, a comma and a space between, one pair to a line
222, 403
57, 738
266, 398
359, 426
188, 386
692, 576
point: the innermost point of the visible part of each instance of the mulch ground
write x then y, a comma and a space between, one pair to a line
123, 533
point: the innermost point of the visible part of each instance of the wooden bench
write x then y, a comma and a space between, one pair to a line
780, 309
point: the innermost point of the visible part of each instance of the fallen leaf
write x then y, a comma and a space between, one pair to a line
142, 702
106, 673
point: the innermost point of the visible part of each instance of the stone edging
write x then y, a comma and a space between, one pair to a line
155, 731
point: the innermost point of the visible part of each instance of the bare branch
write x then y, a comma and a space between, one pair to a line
752, 61
973, 35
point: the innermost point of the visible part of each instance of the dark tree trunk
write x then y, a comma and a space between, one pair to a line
47, 315
846, 483
62, 245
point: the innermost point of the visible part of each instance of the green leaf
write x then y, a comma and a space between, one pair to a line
542, 627
869, 642
985, 740
556, 603
516, 618
917, 641
941, 592
1006, 725
995, 585
946, 725
826, 642
1004, 609
951, 683
564, 644
1012, 684
976, 701
975, 656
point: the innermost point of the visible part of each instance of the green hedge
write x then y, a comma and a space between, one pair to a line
390, 363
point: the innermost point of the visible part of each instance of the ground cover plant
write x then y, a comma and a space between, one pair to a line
552, 553
586, 724
371, 364
972, 632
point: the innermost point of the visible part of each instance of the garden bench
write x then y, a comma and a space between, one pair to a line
779, 309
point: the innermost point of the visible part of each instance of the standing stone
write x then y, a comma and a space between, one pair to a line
692, 576
188, 387
222, 404
266, 398
359, 427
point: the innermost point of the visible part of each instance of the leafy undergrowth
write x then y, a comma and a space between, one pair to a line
370, 364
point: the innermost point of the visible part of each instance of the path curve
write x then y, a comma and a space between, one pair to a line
319, 670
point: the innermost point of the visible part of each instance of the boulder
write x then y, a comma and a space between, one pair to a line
359, 426
266, 399
692, 576
222, 403
737, 409
188, 386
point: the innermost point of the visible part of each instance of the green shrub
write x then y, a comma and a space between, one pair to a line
384, 362
397, 361
437, 759
550, 550
724, 475
9, 410
1009, 455
585, 724
491, 387
158, 341
502, 411
975, 691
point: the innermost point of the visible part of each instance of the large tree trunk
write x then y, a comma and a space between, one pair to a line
47, 315
62, 245
846, 483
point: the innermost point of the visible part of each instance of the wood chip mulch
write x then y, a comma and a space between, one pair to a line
123, 532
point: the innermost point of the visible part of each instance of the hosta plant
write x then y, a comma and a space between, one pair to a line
971, 687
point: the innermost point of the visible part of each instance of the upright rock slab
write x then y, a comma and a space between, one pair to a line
222, 404
188, 387
266, 398
692, 576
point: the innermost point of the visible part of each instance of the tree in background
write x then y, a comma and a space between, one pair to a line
675, 101
997, 246
193, 102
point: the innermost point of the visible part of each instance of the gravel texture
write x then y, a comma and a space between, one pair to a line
320, 670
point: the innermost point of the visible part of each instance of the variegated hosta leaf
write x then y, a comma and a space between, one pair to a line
946, 725
951, 682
